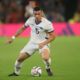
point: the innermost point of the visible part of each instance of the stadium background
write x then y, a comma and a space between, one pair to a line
65, 50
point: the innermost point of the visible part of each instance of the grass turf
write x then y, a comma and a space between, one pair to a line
65, 55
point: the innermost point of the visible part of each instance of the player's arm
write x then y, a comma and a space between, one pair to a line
20, 31
51, 37
16, 35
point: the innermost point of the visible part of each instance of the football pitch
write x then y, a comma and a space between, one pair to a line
65, 55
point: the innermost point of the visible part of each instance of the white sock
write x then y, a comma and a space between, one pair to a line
18, 66
47, 63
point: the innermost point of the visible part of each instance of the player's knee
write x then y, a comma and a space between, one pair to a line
20, 59
46, 58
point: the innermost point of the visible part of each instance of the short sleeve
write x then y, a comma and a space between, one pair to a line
49, 27
27, 23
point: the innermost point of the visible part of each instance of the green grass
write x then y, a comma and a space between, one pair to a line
65, 55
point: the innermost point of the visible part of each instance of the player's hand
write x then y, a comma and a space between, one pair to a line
9, 41
41, 45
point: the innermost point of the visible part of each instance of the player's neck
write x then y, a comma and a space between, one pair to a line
38, 20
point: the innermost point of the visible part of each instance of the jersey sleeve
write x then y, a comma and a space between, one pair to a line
27, 23
49, 27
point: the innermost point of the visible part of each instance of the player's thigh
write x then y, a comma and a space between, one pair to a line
23, 56
29, 49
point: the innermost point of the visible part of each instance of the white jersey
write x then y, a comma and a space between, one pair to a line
39, 32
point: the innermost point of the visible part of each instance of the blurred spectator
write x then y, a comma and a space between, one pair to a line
12, 16
14, 13
11, 11
60, 8
29, 8
2, 12
76, 17
54, 10
57, 17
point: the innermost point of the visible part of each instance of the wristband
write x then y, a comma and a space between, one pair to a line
13, 37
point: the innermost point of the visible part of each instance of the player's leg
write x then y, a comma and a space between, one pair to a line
45, 54
27, 51
18, 63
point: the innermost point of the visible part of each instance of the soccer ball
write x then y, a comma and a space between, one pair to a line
36, 71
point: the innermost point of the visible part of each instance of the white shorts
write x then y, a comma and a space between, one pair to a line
30, 48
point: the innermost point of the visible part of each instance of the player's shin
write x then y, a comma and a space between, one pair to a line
47, 63
18, 66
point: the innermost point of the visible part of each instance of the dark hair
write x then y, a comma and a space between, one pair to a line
37, 8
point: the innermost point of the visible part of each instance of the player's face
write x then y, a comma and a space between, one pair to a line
38, 15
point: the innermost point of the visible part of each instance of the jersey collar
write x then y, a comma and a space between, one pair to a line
38, 22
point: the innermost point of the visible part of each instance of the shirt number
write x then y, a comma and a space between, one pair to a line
37, 31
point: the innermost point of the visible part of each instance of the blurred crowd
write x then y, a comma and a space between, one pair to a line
55, 10
76, 15
12, 11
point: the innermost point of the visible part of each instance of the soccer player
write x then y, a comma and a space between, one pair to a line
40, 29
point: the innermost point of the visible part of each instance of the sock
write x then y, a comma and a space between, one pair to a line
47, 63
18, 66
